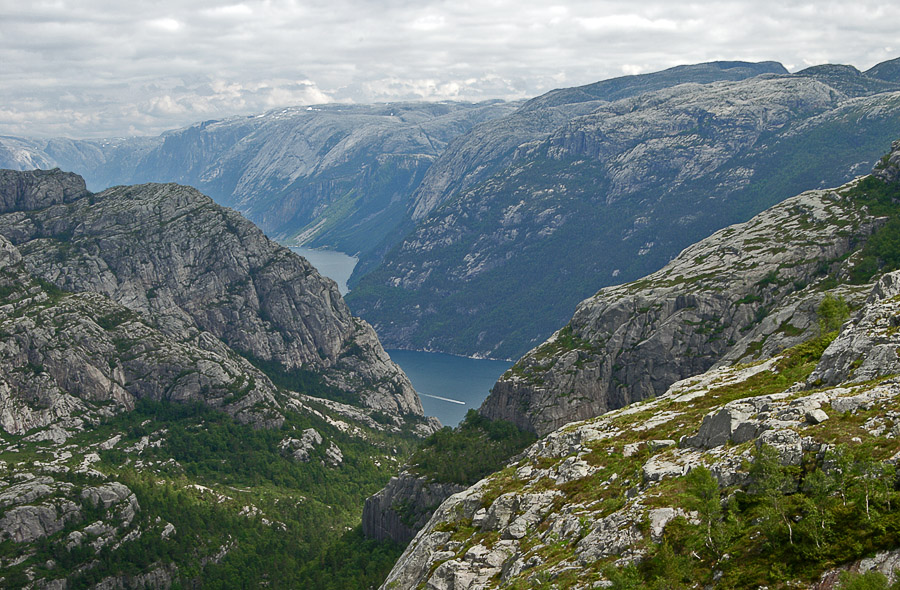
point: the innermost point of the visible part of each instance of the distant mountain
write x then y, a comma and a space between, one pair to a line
335, 176
516, 225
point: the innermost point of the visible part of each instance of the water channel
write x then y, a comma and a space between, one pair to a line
448, 385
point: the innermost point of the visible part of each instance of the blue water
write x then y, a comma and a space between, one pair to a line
448, 385
334, 265
456, 378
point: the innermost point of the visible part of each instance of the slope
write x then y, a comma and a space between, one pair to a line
776, 468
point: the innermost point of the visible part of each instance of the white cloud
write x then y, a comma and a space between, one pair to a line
112, 68
169, 25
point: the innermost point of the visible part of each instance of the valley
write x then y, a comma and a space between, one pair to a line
697, 270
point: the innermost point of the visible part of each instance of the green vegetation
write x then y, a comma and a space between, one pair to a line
881, 252
232, 490
469, 452
832, 313
302, 381
788, 524
870, 580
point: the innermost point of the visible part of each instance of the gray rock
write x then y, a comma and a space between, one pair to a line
786, 442
24, 524
106, 495
200, 273
867, 346
333, 455
403, 506
816, 416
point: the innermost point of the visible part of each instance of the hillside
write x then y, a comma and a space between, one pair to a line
744, 292
774, 468
184, 401
607, 196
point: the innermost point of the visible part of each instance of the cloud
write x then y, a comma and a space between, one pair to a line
104, 67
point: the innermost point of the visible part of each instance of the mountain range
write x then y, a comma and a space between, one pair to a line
450, 206
185, 402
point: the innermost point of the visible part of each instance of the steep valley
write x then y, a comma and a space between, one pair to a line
183, 401
186, 403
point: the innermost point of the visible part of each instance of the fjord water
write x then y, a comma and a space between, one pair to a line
449, 385
334, 265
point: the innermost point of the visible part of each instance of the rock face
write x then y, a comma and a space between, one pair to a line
633, 341
867, 348
559, 200
403, 507
189, 267
76, 358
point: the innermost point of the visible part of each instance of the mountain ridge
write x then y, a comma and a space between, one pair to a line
626, 187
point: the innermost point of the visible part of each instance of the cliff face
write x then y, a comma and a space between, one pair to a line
403, 507
76, 358
607, 192
189, 266
141, 447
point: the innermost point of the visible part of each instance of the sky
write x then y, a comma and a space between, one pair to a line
108, 68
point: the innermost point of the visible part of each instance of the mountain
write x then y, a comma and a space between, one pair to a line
336, 176
770, 461
183, 401
747, 290
607, 195
170, 253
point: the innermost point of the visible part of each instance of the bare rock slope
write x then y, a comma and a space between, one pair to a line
189, 266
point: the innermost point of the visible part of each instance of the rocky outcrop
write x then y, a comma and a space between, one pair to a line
38, 189
607, 195
888, 169
594, 495
403, 507
867, 348
190, 267
633, 341
77, 358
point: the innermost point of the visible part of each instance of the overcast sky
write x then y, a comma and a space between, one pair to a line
98, 68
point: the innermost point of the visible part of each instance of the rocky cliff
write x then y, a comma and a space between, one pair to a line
188, 266
749, 474
746, 291
608, 192
404, 506
139, 445
75, 358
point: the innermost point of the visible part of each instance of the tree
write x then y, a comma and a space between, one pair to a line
770, 481
819, 488
720, 526
832, 312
